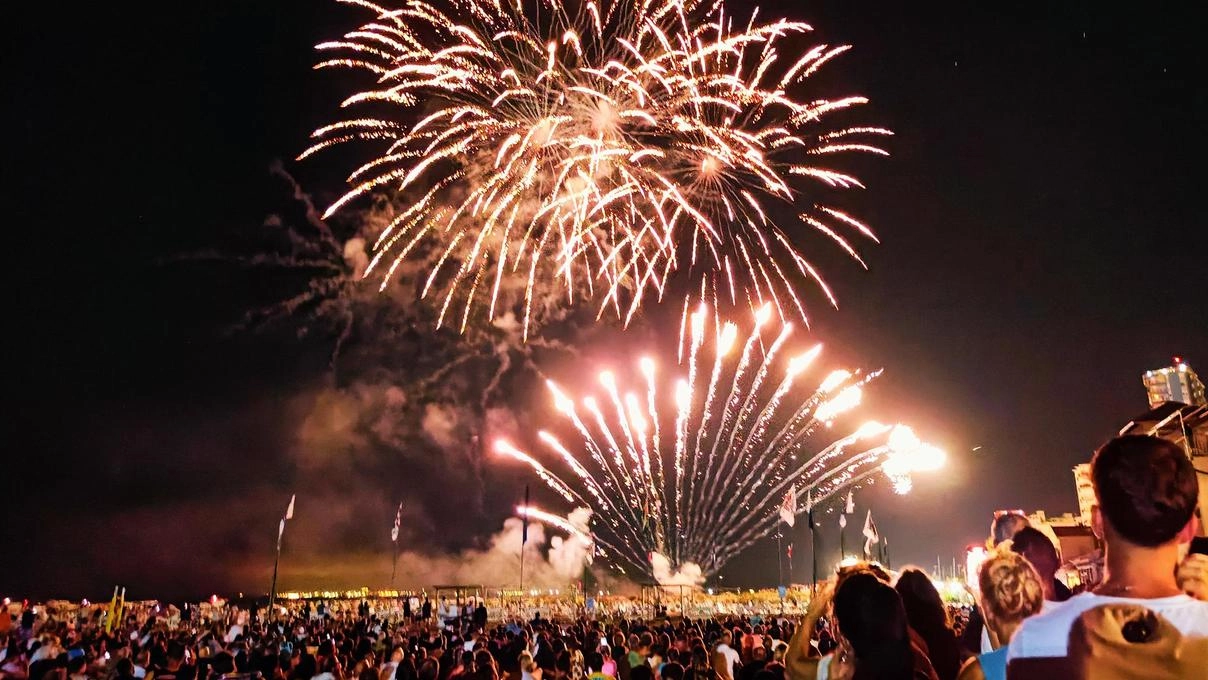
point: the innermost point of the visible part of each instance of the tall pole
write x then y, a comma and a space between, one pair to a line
814, 549
394, 532
789, 554
809, 513
779, 560
272, 593
523, 541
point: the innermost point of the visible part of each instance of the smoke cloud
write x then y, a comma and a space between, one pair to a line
402, 412
688, 574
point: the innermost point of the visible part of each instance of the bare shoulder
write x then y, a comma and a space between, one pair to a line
972, 670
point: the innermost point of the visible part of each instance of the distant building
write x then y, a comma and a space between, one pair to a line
1086, 491
1174, 383
1069, 534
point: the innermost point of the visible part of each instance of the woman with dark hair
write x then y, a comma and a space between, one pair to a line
406, 669
700, 667
873, 639
926, 614
484, 666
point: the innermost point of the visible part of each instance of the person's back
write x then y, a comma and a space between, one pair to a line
927, 616
175, 667
699, 667
1129, 641
975, 637
1009, 591
726, 658
638, 655
1147, 492
759, 660
1047, 635
874, 642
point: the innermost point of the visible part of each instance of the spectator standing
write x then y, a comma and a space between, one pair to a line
1010, 590
1041, 552
927, 616
1146, 493
874, 641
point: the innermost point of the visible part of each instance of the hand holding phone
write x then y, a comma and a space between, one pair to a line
1192, 574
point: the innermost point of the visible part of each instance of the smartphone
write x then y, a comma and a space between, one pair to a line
1199, 545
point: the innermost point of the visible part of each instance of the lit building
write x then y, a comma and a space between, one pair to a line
1174, 383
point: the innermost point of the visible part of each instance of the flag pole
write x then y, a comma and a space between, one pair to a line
809, 508
814, 548
864, 549
790, 556
272, 593
394, 532
523, 541
779, 558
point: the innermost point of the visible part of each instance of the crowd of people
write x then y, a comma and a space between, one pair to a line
1148, 618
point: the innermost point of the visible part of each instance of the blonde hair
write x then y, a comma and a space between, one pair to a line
1011, 590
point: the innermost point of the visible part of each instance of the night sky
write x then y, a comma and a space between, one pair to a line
1043, 244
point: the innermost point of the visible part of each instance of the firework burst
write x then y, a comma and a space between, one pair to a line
604, 145
702, 485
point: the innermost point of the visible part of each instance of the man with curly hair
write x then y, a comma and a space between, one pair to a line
1146, 492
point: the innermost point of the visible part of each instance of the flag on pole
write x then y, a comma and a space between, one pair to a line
398, 522
524, 527
289, 511
842, 521
788, 509
850, 508
789, 551
870, 532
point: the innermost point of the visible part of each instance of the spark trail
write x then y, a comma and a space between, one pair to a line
701, 483
605, 145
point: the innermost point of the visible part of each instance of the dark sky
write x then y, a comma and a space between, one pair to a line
1043, 244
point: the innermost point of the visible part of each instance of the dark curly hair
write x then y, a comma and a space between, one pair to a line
1146, 488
